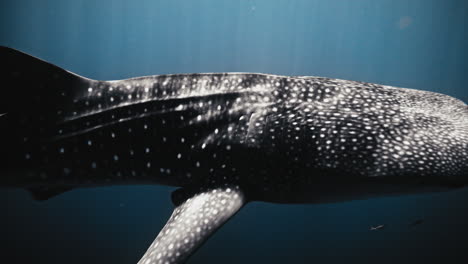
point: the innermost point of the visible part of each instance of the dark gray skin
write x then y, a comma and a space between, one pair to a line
270, 138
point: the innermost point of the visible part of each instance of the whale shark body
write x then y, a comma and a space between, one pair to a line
225, 139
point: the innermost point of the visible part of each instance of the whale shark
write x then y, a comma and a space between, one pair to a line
224, 139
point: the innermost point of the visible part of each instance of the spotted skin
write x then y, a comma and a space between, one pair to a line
192, 222
274, 138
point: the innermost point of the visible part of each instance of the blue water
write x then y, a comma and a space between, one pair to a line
418, 44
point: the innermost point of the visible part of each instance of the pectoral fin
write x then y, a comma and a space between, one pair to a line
192, 222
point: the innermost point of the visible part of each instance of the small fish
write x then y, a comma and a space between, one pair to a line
379, 227
416, 222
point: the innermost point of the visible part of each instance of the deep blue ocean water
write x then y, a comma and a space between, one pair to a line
418, 44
